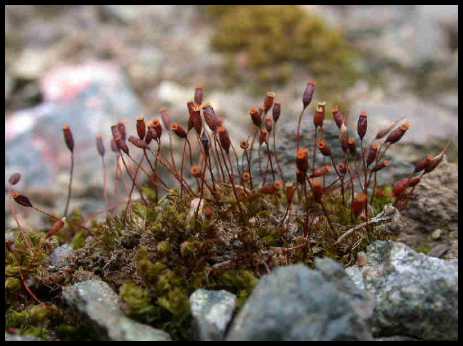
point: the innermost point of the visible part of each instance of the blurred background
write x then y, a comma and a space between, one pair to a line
91, 66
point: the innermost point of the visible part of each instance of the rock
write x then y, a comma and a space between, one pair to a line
212, 312
416, 295
439, 250
434, 205
90, 98
296, 303
12, 337
436, 234
57, 256
98, 302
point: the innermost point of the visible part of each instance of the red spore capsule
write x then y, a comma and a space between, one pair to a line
141, 127
323, 148
14, 178
268, 102
400, 187
337, 115
362, 124
165, 118
302, 160
276, 111
372, 154
224, 138
380, 166
100, 145
68, 137
178, 130
358, 204
397, 134
22, 200
138, 142
255, 117
268, 123
122, 145
308, 93
198, 94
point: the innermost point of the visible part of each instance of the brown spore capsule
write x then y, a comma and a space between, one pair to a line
205, 142
271, 188
68, 139
148, 137
57, 226
362, 124
308, 93
268, 102
302, 160
14, 178
198, 94
209, 117
224, 138
157, 127
289, 192
276, 111
263, 136
317, 190
178, 130
344, 137
244, 145
138, 142
400, 187
338, 116
22, 200
115, 131
342, 168
141, 127
165, 118
255, 117
372, 154
300, 176
323, 148
114, 146
320, 171
268, 123
122, 145
196, 118
352, 148
380, 166
246, 176
318, 117
100, 146
397, 134
423, 164
121, 127
358, 204
195, 171
414, 181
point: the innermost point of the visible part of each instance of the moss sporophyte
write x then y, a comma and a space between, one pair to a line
218, 226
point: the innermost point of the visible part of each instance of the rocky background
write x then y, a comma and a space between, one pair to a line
91, 66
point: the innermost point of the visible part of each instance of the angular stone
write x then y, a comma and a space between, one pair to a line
212, 311
296, 303
416, 295
99, 303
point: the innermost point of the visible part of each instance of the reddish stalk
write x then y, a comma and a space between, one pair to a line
276, 154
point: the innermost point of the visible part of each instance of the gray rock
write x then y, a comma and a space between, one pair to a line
212, 311
57, 256
99, 303
416, 295
296, 303
11, 337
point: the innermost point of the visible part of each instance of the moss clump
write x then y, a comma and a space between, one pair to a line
275, 42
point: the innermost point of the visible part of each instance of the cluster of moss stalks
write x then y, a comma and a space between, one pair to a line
158, 251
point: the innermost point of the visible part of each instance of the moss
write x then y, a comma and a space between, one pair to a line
275, 42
